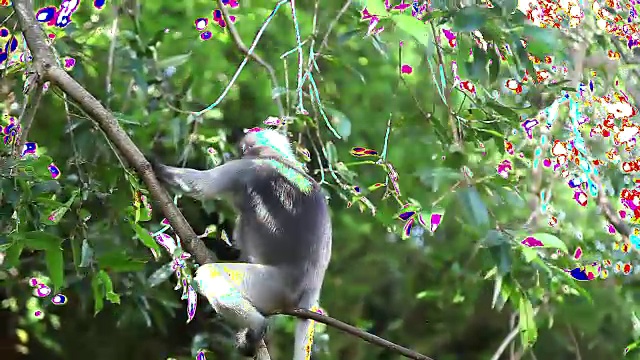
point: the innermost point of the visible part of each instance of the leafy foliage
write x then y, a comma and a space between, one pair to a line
406, 118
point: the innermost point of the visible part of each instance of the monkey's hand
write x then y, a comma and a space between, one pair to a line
156, 166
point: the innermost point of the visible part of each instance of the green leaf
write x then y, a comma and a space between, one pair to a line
508, 7
87, 254
551, 241
54, 216
102, 287
465, 43
469, 19
108, 287
13, 255
523, 58
529, 254
145, 237
157, 37
174, 61
340, 122
40, 240
348, 35
632, 347
46, 187
55, 264
375, 7
494, 238
332, 152
415, 28
37, 167
494, 66
120, 262
528, 329
84, 214
435, 15
502, 110
478, 67
76, 252
501, 255
475, 207
507, 292
161, 275
541, 42
490, 134
497, 287
455, 158
98, 294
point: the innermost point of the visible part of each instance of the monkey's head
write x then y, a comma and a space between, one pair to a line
259, 141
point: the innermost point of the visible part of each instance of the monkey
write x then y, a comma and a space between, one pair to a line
283, 230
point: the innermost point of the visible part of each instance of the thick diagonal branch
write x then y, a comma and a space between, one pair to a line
48, 69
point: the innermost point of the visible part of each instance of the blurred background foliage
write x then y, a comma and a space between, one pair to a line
469, 290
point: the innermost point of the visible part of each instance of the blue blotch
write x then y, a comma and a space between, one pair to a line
46, 14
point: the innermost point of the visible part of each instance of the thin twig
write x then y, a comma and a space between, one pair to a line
76, 153
503, 346
447, 88
254, 43
609, 211
511, 336
535, 189
243, 48
574, 340
31, 103
300, 107
325, 39
112, 50
350, 329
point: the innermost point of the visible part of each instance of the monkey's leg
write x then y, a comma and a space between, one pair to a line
243, 294
304, 327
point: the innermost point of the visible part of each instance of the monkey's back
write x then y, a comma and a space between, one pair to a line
286, 222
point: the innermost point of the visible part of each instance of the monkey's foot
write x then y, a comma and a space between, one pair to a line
247, 341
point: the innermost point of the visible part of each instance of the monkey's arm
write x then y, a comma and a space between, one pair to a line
208, 184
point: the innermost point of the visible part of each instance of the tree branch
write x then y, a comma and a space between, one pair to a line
33, 96
609, 211
350, 329
240, 44
48, 69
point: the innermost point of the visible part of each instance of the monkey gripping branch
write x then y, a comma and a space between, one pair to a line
46, 68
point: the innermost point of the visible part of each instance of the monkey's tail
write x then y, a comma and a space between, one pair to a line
305, 328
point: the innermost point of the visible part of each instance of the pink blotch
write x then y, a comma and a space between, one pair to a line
530, 241
436, 219
578, 253
406, 69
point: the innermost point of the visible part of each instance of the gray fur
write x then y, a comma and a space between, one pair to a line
283, 233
